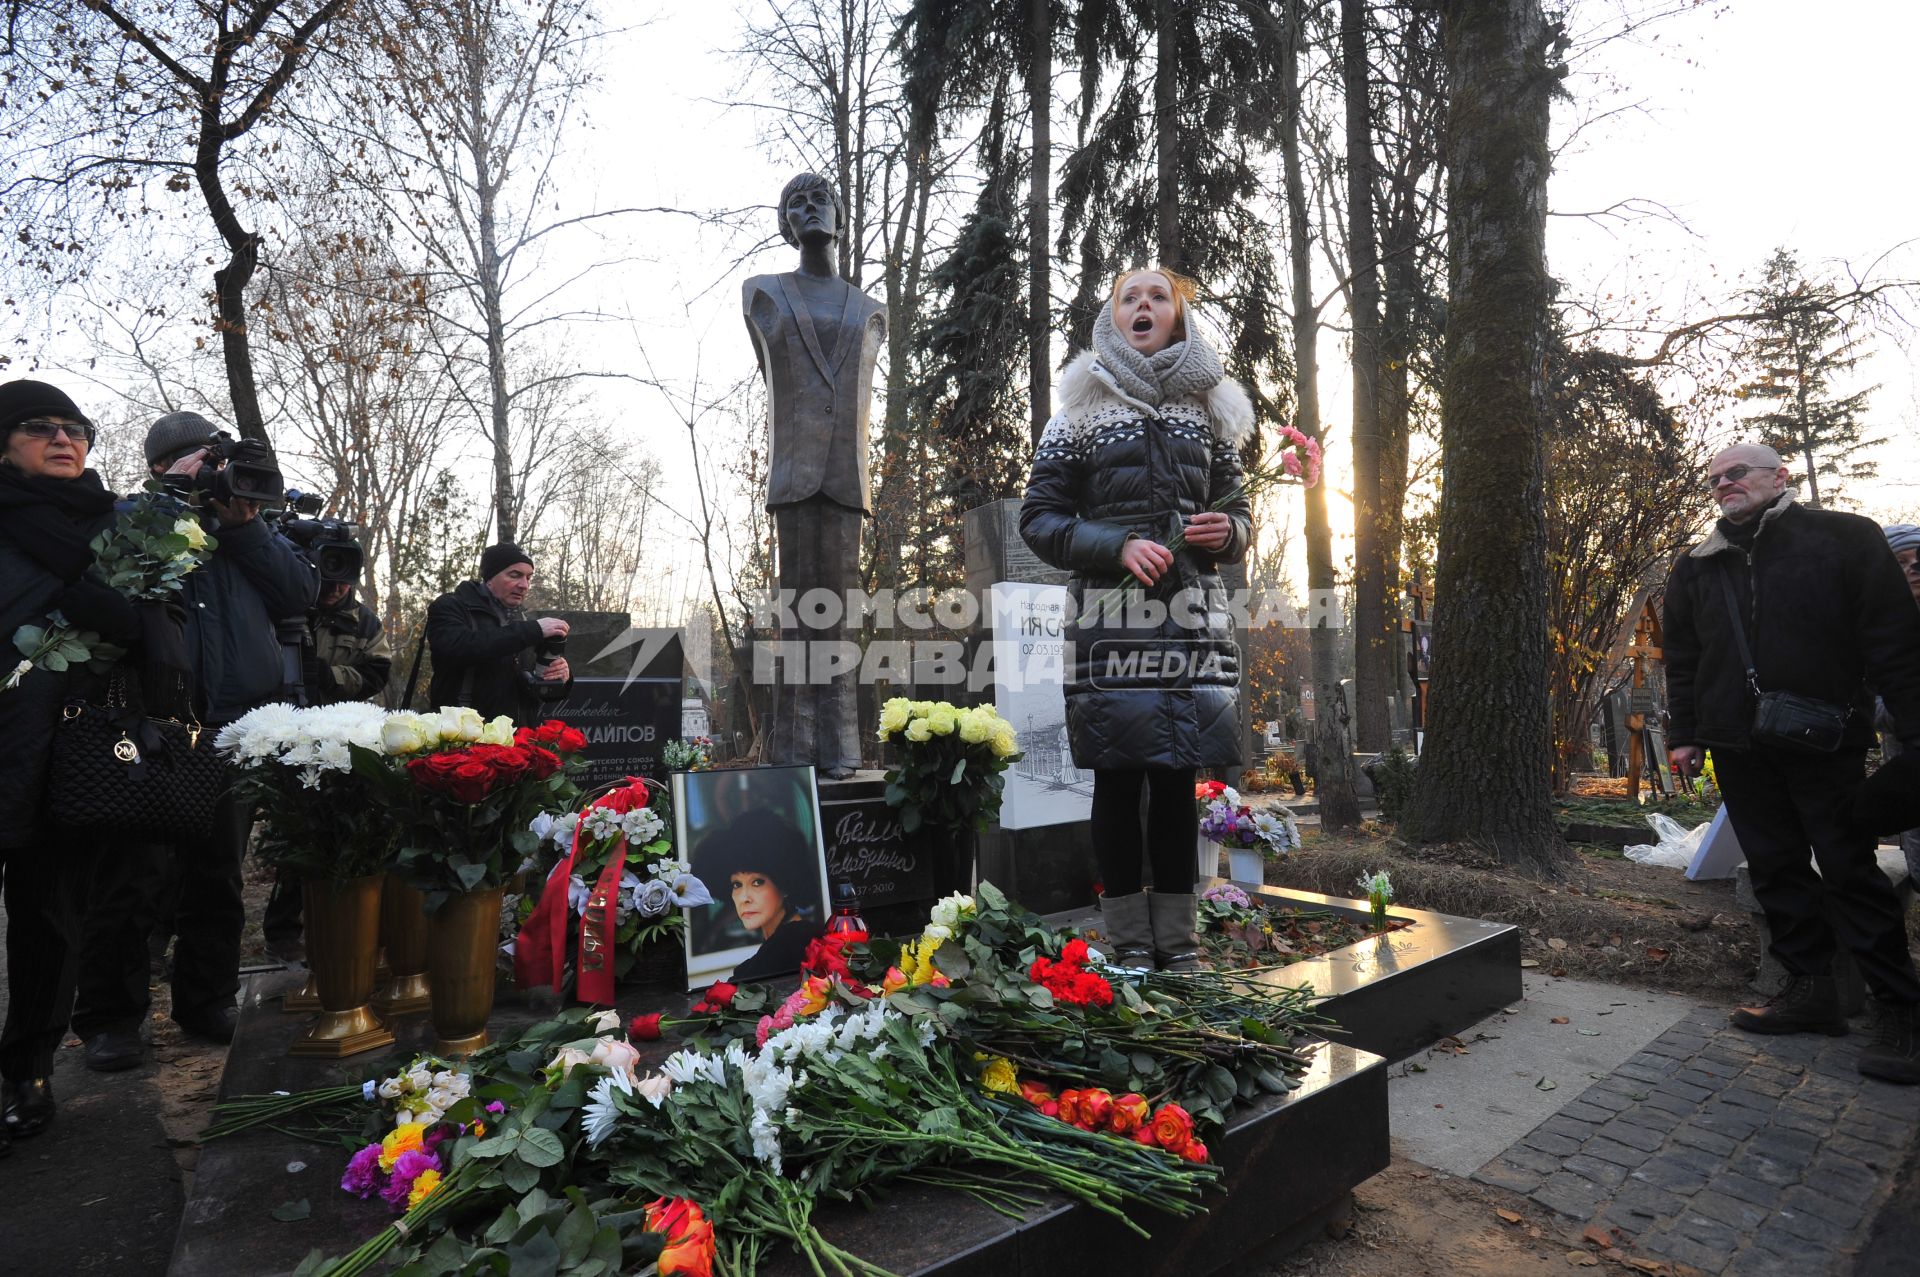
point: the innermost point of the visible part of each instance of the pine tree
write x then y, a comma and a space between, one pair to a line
1802, 344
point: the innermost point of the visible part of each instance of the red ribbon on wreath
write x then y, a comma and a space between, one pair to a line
539, 952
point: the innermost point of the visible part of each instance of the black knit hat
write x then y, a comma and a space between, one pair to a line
177, 432
496, 559
23, 400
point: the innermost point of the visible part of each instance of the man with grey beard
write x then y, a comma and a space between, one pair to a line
1781, 598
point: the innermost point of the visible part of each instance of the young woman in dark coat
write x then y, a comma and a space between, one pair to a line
51, 507
1146, 445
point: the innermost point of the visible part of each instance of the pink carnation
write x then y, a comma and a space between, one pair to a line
400, 1179
363, 1173
1291, 462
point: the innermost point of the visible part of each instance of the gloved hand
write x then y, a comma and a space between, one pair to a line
92, 604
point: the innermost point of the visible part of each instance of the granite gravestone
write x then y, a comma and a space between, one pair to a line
628, 714
817, 339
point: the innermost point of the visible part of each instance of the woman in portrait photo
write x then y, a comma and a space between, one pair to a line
763, 866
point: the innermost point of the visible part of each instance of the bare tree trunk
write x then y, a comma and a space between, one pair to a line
1166, 107
1372, 643
1039, 234
493, 316
1485, 774
1334, 787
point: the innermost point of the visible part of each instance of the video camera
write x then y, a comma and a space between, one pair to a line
332, 544
239, 469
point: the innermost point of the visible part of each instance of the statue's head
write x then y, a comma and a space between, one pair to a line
809, 206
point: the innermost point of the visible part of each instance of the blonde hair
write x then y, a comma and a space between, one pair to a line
1184, 292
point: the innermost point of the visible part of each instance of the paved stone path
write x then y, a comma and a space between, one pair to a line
1724, 1151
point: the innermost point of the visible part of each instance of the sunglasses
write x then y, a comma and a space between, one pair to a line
1732, 474
48, 429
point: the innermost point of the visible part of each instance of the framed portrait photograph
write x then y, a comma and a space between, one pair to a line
753, 837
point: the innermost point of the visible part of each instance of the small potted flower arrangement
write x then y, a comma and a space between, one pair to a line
619, 888
1250, 837
688, 754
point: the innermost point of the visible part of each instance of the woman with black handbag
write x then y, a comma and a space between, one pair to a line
51, 508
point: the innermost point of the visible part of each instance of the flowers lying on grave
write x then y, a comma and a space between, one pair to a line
1238, 930
987, 1080
1225, 820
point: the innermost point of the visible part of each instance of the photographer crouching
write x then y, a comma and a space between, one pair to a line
487, 653
232, 658
345, 656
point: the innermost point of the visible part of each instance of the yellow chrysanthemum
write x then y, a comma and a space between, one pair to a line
423, 1186
999, 1076
404, 1138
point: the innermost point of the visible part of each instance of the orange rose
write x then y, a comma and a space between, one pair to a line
895, 980
690, 1244
1070, 1105
1145, 1136
1130, 1113
1195, 1151
814, 995
1034, 1093
1172, 1128
1096, 1106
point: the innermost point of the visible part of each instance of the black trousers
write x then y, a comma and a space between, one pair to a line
1784, 808
45, 886
1172, 826
209, 915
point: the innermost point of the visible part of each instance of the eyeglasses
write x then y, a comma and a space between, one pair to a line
48, 429
1732, 474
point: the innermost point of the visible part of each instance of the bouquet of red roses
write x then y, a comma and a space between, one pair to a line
469, 797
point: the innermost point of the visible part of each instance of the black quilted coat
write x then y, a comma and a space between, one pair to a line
1142, 694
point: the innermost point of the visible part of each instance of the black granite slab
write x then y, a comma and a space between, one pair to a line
1401, 992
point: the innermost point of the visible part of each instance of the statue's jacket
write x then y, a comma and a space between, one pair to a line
819, 378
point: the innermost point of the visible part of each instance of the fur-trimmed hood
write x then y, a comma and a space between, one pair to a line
1717, 540
1086, 386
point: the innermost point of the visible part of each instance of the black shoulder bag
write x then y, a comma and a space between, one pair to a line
1785, 720
117, 771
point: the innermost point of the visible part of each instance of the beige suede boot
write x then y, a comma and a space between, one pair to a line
1176, 936
1129, 931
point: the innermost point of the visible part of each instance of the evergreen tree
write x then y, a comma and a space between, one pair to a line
1803, 344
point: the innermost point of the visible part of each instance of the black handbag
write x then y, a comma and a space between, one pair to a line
116, 771
1786, 720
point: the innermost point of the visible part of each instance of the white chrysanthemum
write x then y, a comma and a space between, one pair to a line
687, 1067
766, 1139
602, 1113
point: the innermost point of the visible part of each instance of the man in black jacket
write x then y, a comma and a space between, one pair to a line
484, 644
1816, 598
255, 579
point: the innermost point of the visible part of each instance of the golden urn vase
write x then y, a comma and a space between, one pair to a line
403, 930
463, 940
343, 933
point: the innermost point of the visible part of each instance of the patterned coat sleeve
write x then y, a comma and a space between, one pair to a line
1050, 519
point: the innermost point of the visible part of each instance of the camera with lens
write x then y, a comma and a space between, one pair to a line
239, 470
549, 649
332, 544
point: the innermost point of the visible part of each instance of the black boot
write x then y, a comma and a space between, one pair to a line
1895, 1053
28, 1107
1809, 1004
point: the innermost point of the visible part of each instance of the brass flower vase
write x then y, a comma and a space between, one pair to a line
343, 932
463, 937
307, 996
403, 929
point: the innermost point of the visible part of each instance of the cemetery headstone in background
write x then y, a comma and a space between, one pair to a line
628, 716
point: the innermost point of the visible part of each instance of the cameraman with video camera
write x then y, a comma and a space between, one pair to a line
233, 660
487, 654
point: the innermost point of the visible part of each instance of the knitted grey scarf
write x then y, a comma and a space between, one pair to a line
1184, 368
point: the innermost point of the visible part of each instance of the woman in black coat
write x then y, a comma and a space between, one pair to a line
1146, 445
51, 507
762, 863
